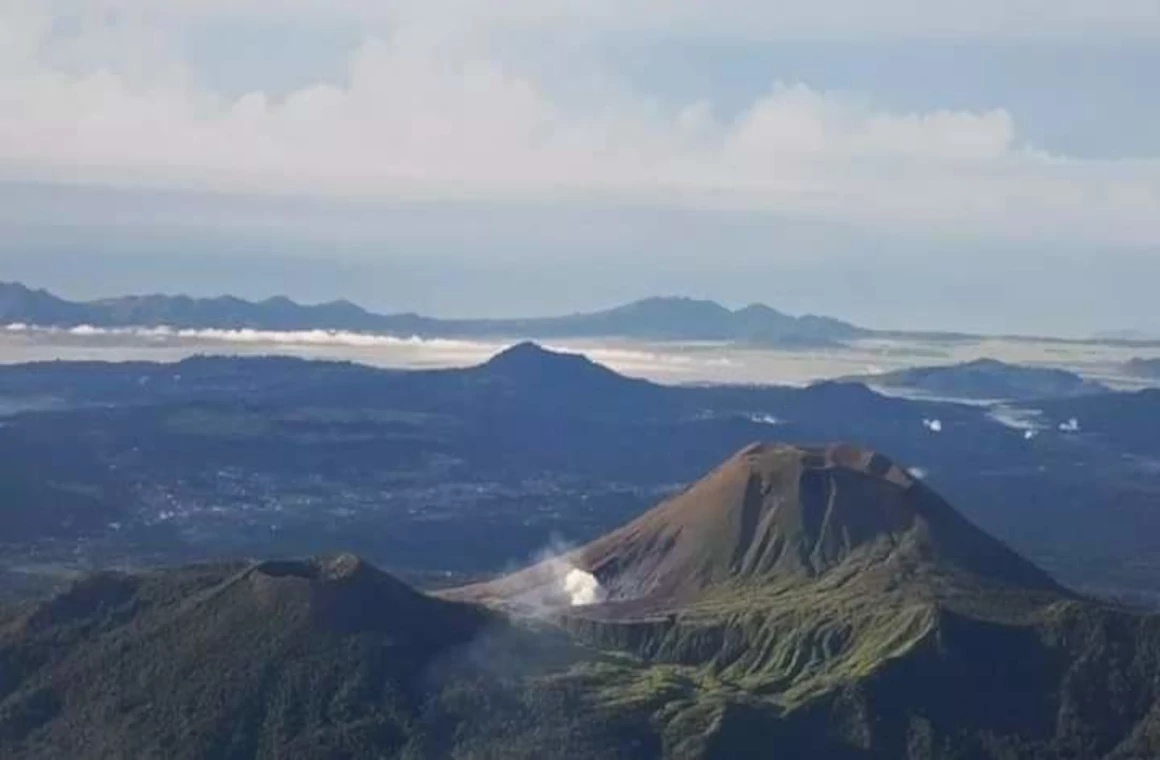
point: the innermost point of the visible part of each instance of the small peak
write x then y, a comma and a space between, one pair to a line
345, 306
224, 300
523, 348
678, 304
841, 389
532, 357
758, 310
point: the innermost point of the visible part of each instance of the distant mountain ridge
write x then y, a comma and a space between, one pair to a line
1145, 368
657, 318
987, 379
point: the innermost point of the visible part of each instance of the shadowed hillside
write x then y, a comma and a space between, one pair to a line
321, 659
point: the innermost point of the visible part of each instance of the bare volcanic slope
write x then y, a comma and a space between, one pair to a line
778, 518
832, 585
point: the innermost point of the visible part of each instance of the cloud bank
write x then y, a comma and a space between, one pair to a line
426, 110
735, 20
251, 336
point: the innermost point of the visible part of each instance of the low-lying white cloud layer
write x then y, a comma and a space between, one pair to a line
426, 110
247, 335
391, 350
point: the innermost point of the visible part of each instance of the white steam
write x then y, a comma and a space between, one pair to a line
555, 581
582, 588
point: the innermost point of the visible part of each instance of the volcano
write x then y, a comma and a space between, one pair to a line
777, 518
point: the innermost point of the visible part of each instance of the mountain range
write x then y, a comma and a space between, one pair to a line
671, 318
795, 602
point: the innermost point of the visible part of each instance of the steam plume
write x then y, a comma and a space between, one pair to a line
582, 588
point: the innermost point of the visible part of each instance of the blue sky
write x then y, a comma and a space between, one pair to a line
986, 165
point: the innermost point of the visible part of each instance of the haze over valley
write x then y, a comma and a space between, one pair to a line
664, 339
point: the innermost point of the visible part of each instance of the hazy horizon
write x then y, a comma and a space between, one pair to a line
983, 168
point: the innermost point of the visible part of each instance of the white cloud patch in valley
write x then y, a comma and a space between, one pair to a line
168, 343
1027, 421
251, 336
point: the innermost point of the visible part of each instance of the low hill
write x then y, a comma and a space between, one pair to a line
304, 659
668, 318
1147, 368
987, 379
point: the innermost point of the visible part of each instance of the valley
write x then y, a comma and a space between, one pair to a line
449, 475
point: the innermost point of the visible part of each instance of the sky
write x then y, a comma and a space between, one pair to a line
990, 165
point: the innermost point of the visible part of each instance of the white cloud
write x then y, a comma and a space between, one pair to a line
419, 117
252, 336
732, 19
